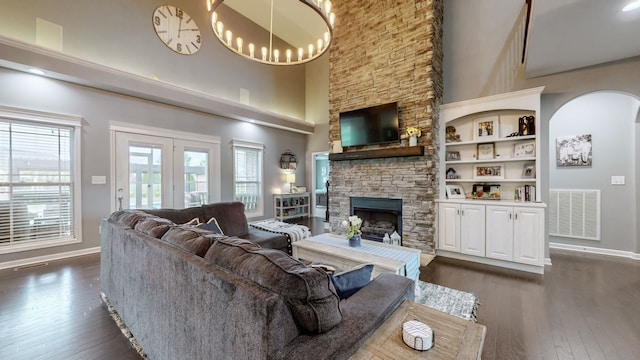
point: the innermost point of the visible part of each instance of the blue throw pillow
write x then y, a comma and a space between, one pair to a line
212, 225
349, 282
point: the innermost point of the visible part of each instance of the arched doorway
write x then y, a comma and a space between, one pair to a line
608, 121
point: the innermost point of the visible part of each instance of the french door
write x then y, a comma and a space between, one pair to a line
144, 165
153, 172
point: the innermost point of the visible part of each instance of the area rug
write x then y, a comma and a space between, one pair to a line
455, 302
123, 327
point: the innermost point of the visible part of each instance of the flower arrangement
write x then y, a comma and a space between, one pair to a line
353, 226
411, 131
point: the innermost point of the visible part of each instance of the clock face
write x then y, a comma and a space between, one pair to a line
177, 29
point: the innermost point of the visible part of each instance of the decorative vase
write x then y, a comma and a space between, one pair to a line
413, 140
354, 241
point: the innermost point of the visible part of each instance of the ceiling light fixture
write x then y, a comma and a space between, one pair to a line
276, 32
631, 6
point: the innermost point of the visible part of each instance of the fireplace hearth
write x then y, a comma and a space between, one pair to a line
379, 216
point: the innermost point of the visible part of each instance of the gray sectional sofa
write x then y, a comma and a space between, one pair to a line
187, 293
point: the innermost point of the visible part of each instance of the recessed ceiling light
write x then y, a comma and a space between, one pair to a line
36, 71
631, 6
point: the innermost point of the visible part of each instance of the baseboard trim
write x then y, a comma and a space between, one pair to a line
594, 250
488, 261
46, 258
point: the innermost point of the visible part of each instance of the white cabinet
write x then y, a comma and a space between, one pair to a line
500, 232
288, 206
449, 227
462, 228
515, 234
491, 149
528, 236
493, 232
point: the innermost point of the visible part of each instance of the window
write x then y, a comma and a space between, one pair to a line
247, 176
39, 199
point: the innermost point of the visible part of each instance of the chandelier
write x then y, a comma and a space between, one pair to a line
274, 32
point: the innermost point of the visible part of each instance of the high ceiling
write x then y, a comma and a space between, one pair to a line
571, 34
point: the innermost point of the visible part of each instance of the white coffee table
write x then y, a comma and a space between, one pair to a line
334, 250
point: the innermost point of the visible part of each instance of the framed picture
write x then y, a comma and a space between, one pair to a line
486, 128
486, 191
529, 170
527, 125
524, 149
454, 192
574, 150
453, 155
488, 172
486, 151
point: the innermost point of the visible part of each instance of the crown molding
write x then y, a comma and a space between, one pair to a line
20, 56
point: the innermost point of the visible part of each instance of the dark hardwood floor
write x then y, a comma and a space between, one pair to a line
584, 307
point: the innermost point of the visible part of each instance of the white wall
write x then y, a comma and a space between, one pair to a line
120, 34
98, 108
610, 119
473, 35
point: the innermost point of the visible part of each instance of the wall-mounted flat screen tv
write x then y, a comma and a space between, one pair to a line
372, 125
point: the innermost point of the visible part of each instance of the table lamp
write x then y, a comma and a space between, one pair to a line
291, 179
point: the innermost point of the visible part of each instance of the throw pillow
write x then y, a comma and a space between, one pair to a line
212, 225
193, 222
349, 282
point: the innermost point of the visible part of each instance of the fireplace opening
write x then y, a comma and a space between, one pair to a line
379, 216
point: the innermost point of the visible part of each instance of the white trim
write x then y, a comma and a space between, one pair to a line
238, 143
495, 262
156, 131
40, 116
22, 56
45, 258
27, 245
62, 120
247, 144
594, 250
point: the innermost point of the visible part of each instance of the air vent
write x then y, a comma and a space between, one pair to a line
574, 214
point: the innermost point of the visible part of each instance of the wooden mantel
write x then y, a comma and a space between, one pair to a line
378, 153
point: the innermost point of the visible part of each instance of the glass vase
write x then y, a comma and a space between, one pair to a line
354, 241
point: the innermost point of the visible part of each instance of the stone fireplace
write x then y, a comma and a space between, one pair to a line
379, 216
395, 56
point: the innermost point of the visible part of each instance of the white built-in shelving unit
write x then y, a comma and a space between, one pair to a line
500, 229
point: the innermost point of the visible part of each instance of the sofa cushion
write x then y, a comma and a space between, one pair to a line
308, 292
230, 216
191, 238
128, 217
349, 282
154, 226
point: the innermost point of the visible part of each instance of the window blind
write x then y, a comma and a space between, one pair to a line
248, 178
36, 182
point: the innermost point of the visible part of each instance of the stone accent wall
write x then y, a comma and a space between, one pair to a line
385, 51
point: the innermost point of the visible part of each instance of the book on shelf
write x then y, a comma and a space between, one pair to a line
525, 193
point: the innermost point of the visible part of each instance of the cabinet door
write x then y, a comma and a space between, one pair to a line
500, 232
472, 225
528, 241
449, 227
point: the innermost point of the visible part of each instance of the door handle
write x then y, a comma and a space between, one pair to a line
120, 199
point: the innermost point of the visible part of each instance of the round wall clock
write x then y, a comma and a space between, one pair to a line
177, 29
